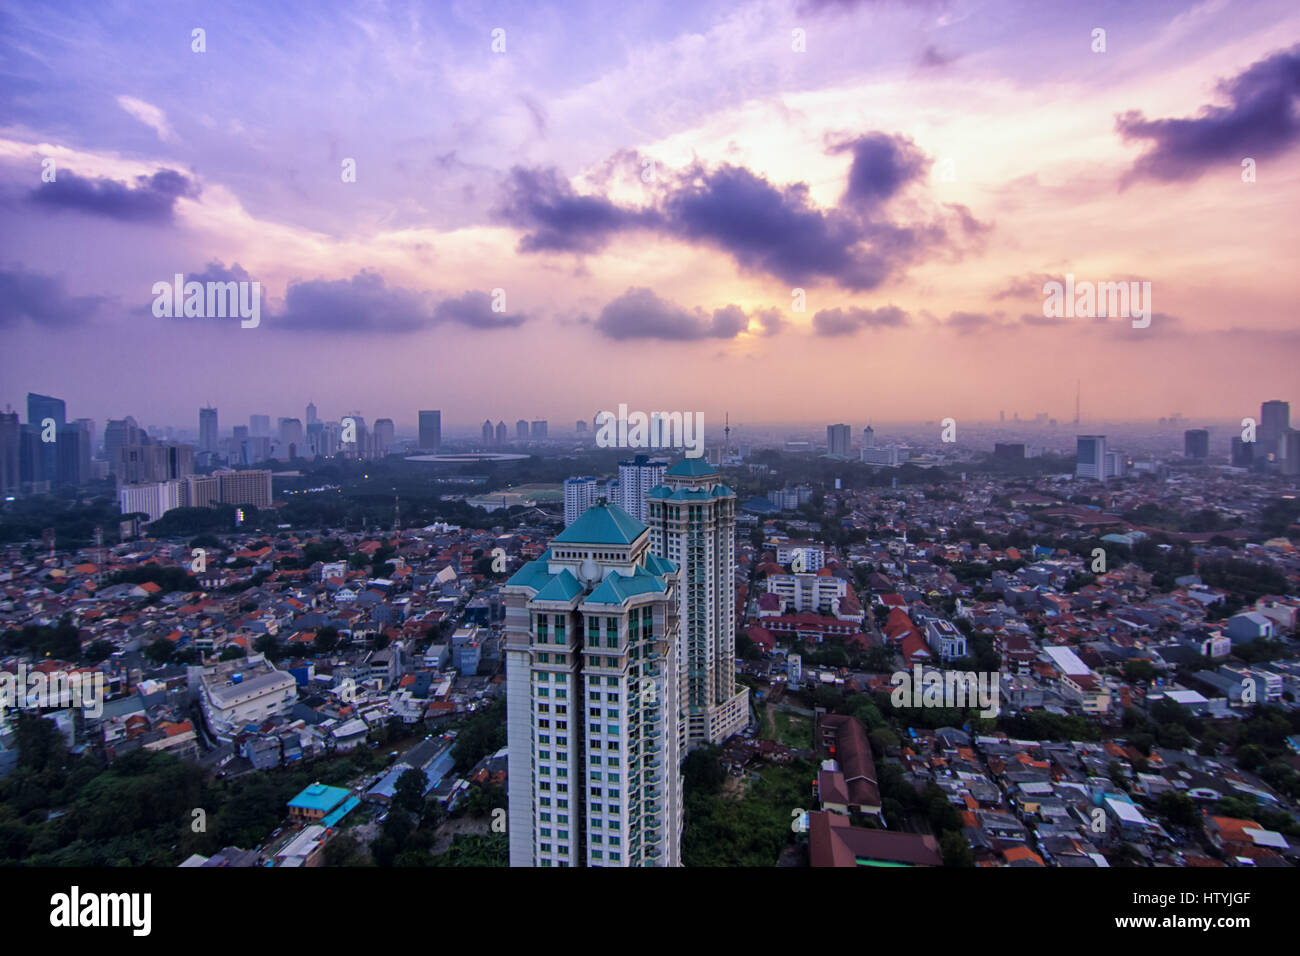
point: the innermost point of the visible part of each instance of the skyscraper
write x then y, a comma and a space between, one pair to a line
1274, 420
430, 438
837, 440
635, 479
208, 430
537, 430
10, 429
119, 433
311, 413
501, 434
592, 700
385, 437
1091, 457
259, 426
72, 455
521, 430
1196, 443
488, 433
692, 519
39, 409
868, 437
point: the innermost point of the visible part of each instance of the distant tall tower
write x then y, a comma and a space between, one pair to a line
1274, 420
208, 430
311, 413
501, 434
488, 432
430, 437
692, 519
726, 438
868, 437
837, 440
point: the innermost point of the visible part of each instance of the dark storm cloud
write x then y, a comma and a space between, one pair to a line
640, 314
836, 322
42, 299
764, 227
1260, 121
152, 199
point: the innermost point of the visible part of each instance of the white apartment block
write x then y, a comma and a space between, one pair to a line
808, 592
813, 555
154, 499
592, 695
692, 519
579, 495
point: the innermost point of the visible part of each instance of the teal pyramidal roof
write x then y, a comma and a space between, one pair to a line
602, 523
692, 468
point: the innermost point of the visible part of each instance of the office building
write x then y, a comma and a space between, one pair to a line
208, 430
837, 440
868, 437
245, 487
10, 430
1274, 420
1243, 452
489, 433
311, 414
580, 427
118, 433
1196, 443
692, 520
537, 430
1091, 463
890, 457
199, 491
259, 426
1291, 452
579, 495
594, 758
154, 499
635, 479
430, 438
384, 438
521, 430
72, 456
501, 434
40, 410
290, 434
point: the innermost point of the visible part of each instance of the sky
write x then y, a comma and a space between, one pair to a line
805, 210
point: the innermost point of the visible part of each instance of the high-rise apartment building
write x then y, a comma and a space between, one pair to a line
868, 437
1091, 457
837, 440
635, 479
208, 430
579, 495
537, 430
488, 433
501, 434
692, 519
72, 455
290, 430
521, 430
1196, 443
430, 437
311, 414
259, 426
118, 433
592, 700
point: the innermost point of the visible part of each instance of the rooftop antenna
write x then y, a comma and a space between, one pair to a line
726, 444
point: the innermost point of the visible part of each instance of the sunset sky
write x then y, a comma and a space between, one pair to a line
648, 183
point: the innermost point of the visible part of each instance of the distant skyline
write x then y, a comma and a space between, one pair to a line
647, 185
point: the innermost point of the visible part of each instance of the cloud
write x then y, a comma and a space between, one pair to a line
933, 59
365, 303
770, 321
42, 300
1260, 121
1025, 287
151, 200
560, 219
836, 322
474, 309
640, 314
149, 115
765, 228
964, 323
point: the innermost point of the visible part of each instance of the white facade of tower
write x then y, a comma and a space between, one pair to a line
635, 479
592, 700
